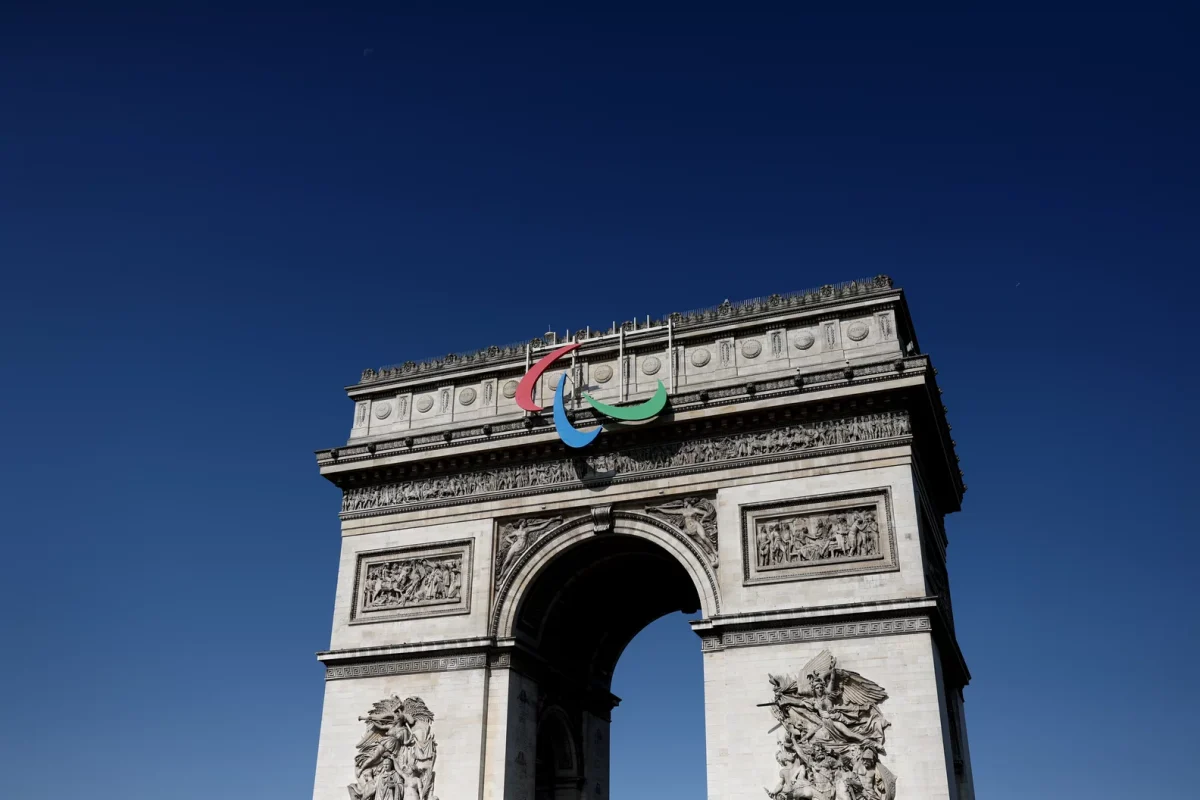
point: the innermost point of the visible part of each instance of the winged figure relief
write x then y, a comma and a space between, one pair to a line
695, 516
396, 755
515, 539
831, 734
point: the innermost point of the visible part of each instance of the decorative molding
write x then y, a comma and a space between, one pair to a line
429, 580
602, 518
726, 311
657, 460
820, 632
405, 666
820, 536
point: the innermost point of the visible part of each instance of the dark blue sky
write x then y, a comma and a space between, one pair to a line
212, 220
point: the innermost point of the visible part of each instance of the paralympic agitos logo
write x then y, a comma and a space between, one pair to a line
570, 435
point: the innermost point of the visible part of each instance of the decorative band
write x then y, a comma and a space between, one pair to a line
374, 669
839, 630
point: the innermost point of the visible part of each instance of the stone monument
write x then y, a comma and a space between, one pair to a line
782, 466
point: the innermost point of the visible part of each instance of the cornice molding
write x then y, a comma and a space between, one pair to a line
514, 354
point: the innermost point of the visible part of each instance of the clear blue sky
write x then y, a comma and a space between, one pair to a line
211, 221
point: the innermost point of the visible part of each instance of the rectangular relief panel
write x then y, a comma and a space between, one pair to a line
407, 582
818, 537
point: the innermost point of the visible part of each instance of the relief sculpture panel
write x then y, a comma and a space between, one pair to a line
817, 537
396, 755
413, 582
831, 735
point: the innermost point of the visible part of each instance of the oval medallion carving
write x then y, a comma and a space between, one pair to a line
752, 348
466, 396
509, 390
603, 373
424, 403
700, 357
858, 331
651, 365
382, 410
805, 340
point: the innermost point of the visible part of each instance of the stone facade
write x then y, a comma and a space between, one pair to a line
793, 495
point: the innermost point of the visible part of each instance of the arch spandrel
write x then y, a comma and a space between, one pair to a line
542, 553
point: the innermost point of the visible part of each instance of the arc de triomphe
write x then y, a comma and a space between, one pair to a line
792, 491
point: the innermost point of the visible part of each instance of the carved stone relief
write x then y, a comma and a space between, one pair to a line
402, 407
725, 347
700, 357
752, 348
360, 413
830, 334
510, 389
646, 460
396, 757
467, 396
831, 734
695, 516
383, 409
412, 581
424, 403
858, 331
603, 373
805, 340
444, 395
777, 343
651, 365
515, 538
817, 537
487, 392
799, 539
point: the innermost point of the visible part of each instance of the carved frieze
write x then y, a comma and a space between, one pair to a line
696, 453
818, 537
399, 583
831, 734
696, 517
396, 757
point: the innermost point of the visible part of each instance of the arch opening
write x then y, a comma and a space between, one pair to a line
578, 613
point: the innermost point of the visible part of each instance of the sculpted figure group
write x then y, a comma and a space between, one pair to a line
831, 735
647, 459
396, 756
412, 582
806, 539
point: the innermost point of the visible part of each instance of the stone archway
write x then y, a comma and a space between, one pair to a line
571, 605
